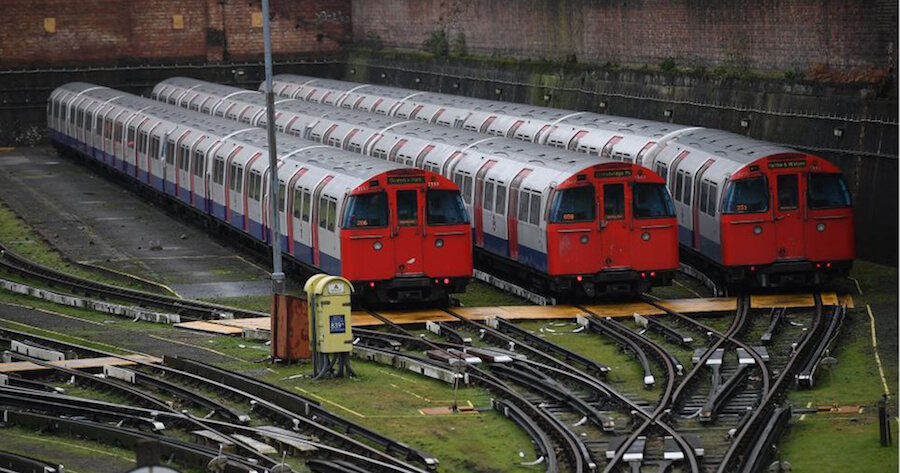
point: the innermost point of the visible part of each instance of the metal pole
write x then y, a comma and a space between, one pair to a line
274, 217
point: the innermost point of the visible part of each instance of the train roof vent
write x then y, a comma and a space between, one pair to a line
536, 161
720, 153
626, 130
501, 153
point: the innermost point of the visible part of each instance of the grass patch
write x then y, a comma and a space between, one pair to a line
479, 294
23, 240
78, 455
826, 443
258, 303
388, 400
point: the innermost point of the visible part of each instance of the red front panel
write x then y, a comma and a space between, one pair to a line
836, 241
454, 257
660, 250
572, 248
743, 244
360, 261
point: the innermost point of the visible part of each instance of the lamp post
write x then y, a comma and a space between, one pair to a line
275, 218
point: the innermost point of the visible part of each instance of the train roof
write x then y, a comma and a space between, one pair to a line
737, 148
554, 159
329, 159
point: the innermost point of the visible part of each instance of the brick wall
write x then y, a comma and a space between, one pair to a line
128, 31
763, 34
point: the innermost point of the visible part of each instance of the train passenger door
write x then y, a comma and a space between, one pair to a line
699, 197
512, 220
615, 225
408, 241
482, 218
788, 215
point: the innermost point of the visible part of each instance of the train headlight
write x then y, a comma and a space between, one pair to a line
377, 245
584, 239
439, 243
757, 230
645, 236
820, 227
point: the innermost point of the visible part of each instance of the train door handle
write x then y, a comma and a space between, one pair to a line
779, 217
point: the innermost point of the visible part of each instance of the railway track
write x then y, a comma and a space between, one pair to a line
187, 309
174, 401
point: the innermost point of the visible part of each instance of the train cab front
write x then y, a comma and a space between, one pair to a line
611, 230
405, 238
787, 220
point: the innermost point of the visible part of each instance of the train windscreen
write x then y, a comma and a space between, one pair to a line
826, 191
366, 211
746, 196
652, 201
573, 205
445, 207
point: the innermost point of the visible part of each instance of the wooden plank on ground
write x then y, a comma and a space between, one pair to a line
626, 309
523, 312
204, 326
254, 323
847, 300
686, 306
769, 301
82, 364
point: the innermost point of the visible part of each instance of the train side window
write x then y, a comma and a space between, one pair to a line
219, 171
108, 128
237, 177
142, 142
534, 211
282, 192
711, 205
679, 181
500, 205
663, 170
298, 196
255, 185
130, 137
614, 201
199, 162
488, 195
154, 147
170, 152
523, 206
184, 158
79, 119
117, 135
87, 123
688, 188
307, 205
788, 192
704, 195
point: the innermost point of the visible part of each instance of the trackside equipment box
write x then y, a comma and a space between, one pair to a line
329, 303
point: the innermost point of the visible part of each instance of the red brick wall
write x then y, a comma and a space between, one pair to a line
111, 31
764, 34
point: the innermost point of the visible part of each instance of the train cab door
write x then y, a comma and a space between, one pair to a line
615, 225
790, 192
483, 216
408, 238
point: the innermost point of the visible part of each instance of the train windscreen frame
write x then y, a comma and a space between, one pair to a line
827, 191
744, 196
368, 210
651, 200
445, 207
575, 204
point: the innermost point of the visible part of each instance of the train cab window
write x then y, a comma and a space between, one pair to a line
826, 191
219, 171
488, 196
788, 191
746, 196
500, 204
573, 205
407, 208
237, 178
614, 201
130, 137
154, 147
445, 207
170, 152
366, 211
199, 163
652, 201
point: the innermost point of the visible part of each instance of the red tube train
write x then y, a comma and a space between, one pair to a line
798, 229
397, 233
552, 220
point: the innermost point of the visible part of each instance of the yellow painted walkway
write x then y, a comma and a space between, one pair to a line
530, 312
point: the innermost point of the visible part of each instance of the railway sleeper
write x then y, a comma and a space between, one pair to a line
722, 393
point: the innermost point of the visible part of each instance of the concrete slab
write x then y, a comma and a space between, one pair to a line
95, 220
82, 364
